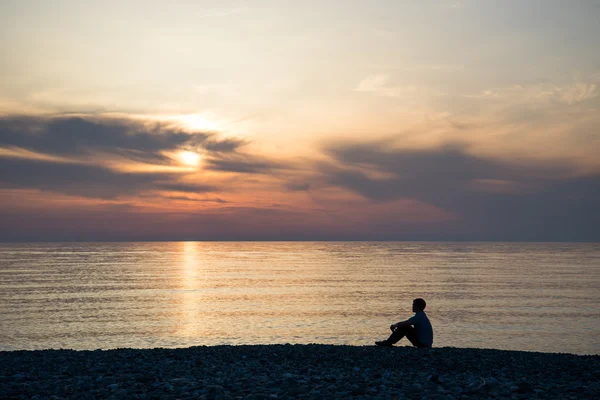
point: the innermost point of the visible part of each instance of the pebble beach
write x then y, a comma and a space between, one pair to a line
312, 371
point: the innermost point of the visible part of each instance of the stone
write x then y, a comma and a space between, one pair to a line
109, 380
113, 387
593, 387
416, 387
492, 382
524, 387
257, 396
358, 390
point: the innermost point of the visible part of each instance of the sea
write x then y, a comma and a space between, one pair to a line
541, 297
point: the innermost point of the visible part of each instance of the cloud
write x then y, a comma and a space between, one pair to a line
497, 199
378, 85
367, 190
578, 92
242, 163
542, 94
86, 180
267, 222
75, 156
226, 146
185, 187
298, 186
76, 136
201, 200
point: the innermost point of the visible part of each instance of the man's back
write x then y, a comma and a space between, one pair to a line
423, 328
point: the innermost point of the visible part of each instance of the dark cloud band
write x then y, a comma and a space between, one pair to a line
545, 202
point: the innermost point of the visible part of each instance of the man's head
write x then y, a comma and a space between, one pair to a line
418, 305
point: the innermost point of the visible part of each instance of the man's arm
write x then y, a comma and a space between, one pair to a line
401, 324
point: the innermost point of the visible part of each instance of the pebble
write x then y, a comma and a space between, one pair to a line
313, 371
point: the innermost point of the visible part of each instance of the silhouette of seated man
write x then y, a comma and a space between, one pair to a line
417, 329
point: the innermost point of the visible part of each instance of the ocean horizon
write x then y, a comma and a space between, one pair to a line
531, 296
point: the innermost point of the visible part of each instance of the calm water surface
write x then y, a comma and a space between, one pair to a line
540, 297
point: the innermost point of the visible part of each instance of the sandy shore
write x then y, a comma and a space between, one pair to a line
297, 371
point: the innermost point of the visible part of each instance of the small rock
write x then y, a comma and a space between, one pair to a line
168, 387
524, 387
109, 380
492, 382
17, 377
257, 396
416, 387
593, 387
358, 390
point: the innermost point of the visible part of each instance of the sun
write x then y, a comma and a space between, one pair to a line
189, 158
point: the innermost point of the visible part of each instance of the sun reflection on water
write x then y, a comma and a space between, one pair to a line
190, 308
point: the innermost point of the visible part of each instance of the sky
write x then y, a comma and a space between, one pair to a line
289, 120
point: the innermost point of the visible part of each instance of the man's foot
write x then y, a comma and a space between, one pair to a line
384, 343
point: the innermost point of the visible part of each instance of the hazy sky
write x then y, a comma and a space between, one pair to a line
411, 120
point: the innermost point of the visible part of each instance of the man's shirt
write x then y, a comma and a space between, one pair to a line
423, 328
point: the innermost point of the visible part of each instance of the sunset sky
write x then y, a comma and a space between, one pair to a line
300, 120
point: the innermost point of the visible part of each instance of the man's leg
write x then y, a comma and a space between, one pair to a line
409, 331
399, 333
411, 335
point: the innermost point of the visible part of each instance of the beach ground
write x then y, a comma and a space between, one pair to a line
312, 371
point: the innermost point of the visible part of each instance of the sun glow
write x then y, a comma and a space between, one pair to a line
189, 158
196, 122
